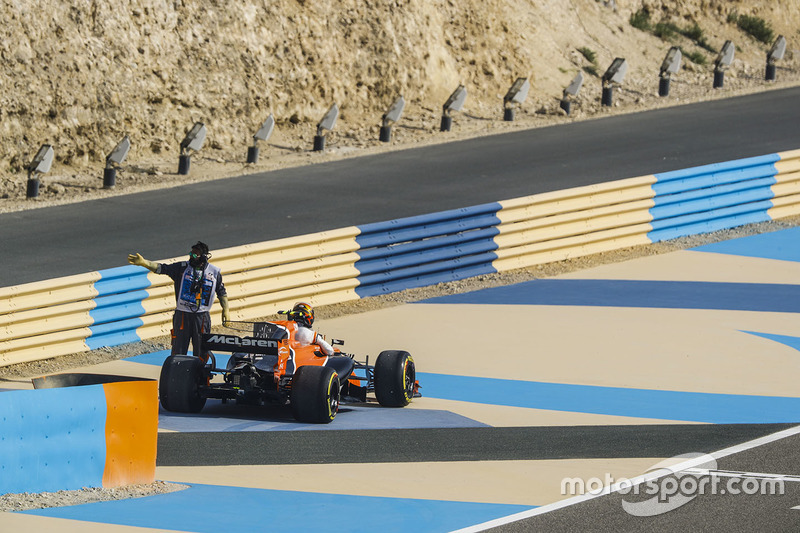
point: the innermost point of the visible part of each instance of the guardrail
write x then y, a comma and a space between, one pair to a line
115, 306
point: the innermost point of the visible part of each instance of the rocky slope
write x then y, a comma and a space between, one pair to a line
79, 77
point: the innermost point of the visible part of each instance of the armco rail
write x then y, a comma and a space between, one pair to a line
110, 307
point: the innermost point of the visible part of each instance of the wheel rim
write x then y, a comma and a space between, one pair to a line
333, 398
408, 378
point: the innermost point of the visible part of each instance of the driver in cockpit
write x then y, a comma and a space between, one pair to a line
303, 315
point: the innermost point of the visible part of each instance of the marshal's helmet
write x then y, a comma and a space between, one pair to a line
199, 255
302, 313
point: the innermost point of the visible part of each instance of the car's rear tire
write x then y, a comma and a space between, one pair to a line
180, 382
395, 375
315, 394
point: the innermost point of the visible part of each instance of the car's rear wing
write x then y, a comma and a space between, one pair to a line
232, 343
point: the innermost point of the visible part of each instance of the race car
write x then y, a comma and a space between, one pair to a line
271, 367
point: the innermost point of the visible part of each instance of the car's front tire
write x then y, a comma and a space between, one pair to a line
395, 376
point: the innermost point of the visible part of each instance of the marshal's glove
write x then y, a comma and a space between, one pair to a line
226, 313
138, 260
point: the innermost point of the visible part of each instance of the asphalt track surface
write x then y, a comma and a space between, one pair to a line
450, 444
72, 239
706, 512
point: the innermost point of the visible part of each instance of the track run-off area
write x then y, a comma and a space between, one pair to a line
597, 374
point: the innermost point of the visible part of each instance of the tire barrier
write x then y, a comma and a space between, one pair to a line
73, 314
79, 430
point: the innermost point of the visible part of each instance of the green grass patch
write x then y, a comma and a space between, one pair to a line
693, 32
591, 69
695, 57
641, 20
702, 43
756, 27
666, 30
589, 54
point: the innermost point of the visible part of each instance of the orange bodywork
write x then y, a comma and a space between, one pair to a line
302, 354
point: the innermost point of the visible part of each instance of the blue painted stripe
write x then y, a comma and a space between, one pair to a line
432, 218
153, 358
767, 297
429, 274
158, 358
118, 306
427, 244
708, 183
427, 249
712, 197
114, 333
212, 509
682, 206
678, 218
217, 417
711, 221
121, 279
415, 233
780, 245
52, 439
713, 174
638, 403
396, 262
720, 190
792, 342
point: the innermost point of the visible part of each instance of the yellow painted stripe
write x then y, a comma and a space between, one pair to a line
787, 206
156, 325
578, 198
786, 191
292, 274
47, 320
576, 223
789, 154
43, 346
159, 304
316, 294
287, 250
570, 247
48, 292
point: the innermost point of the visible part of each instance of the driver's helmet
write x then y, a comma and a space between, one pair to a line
303, 314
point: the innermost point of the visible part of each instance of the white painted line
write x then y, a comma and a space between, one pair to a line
704, 472
691, 463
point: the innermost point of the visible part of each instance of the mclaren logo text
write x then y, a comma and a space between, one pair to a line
233, 340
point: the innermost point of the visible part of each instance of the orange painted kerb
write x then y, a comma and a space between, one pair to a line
131, 432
